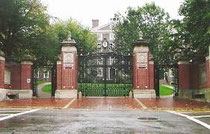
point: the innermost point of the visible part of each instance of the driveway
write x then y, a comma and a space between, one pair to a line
68, 121
104, 115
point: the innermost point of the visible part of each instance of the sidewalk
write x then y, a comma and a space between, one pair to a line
174, 103
42, 94
108, 104
35, 103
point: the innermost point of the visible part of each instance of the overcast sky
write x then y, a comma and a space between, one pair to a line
86, 10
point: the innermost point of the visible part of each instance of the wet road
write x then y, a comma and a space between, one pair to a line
78, 121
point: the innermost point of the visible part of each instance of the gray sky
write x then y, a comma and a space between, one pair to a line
86, 10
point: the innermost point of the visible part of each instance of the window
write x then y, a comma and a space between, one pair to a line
111, 36
100, 72
100, 61
7, 77
106, 36
36, 74
46, 74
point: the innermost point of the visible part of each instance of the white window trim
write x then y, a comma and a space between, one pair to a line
46, 76
36, 74
7, 77
100, 74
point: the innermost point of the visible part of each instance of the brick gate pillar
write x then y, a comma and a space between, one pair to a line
143, 71
25, 80
2, 69
67, 70
184, 78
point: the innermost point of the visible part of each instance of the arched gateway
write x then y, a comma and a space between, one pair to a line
105, 73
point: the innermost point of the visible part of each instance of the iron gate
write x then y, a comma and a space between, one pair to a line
172, 79
105, 74
35, 79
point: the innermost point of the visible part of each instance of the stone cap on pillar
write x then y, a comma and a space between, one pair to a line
2, 53
27, 59
68, 41
141, 41
2, 56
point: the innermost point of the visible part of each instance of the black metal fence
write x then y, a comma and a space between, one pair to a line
105, 74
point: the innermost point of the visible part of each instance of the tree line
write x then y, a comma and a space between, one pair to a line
26, 32
170, 40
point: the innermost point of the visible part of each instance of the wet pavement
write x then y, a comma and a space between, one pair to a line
35, 103
174, 104
69, 121
104, 115
106, 104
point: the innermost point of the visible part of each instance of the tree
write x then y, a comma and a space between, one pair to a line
196, 27
86, 41
25, 32
155, 25
22, 22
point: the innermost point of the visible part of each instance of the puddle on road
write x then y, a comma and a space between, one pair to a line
148, 118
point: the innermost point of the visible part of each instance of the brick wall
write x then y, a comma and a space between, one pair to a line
15, 77
184, 76
190, 76
21, 75
26, 75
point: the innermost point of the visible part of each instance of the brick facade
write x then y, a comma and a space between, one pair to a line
26, 75
69, 75
190, 75
184, 75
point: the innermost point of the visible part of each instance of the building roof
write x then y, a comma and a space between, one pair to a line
106, 27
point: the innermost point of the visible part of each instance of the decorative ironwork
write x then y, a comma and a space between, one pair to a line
105, 74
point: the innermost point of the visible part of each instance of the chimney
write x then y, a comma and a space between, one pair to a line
95, 23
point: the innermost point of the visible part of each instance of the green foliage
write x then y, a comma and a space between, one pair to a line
40, 82
89, 89
86, 41
22, 24
165, 90
25, 32
196, 27
155, 25
47, 88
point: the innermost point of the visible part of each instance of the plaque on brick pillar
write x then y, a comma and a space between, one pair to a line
68, 60
142, 60
142, 72
67, 70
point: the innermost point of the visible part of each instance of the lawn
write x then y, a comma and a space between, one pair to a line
166, 90
113, 89
47, 88
40, 82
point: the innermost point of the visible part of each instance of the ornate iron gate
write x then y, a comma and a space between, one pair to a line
105, 74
